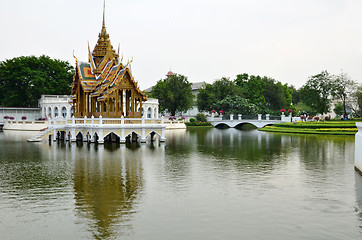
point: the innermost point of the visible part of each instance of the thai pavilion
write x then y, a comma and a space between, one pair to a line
104, 86
106, 103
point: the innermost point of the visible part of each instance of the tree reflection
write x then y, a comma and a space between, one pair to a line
243, 147
318, 151
106, 186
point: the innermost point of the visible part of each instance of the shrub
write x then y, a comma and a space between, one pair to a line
198, 124
326, 118
316, 118
200, 117
6, 117
192, 120
11, 118
23, 118
221, 112
302, 117
282, 110
310, 117
172, 118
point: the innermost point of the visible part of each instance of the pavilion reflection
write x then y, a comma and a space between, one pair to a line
107, 183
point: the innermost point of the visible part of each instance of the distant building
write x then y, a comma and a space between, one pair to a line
195, 91
350, 103
17, 113
53, 106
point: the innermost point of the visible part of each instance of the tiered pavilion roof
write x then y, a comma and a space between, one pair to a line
103, 85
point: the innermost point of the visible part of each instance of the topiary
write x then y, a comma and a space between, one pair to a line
200, 117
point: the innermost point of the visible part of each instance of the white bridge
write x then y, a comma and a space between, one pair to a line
257, 121
103, 129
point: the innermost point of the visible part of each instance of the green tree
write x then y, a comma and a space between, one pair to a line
344, 89
277, 95
174, 93
205, 98
296, 94
237, 105
357, 105
212, 93
24, 79
252, 88
316, 92
338, 109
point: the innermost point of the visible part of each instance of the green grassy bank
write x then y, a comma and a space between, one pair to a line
335, 128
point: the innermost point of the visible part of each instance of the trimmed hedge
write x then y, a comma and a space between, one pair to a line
317, 125
194, 124
337, 128
310, 131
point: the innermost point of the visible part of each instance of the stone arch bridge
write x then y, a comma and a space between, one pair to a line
257, 121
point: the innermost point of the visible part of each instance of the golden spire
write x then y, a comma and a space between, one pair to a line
103, 50
104, 22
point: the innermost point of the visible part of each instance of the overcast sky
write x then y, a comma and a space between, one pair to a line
288, 40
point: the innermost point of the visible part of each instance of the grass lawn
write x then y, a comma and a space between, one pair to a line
328, 127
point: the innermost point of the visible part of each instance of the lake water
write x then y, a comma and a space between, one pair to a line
200, 184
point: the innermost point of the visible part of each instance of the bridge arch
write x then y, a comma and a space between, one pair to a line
152, 134
222, 125
244, 124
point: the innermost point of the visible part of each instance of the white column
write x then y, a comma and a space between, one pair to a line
267, 117
239, 117
85, 137
143, 136
53, 112
72, 135
231, 117
68, 112
358, 148
100, 136
259, 117
123, 139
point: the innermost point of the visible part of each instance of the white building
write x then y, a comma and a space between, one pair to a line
53, 106
17, 113
150, 108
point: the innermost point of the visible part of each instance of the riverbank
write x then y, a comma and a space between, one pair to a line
333, 128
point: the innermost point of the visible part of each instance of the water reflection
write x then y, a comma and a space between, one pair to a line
244, 150
107, 183
201, 183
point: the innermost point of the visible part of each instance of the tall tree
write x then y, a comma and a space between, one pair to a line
357, 106
277, 95
316, 92
252, 88
206, 98
236, 105
344, 89
216, 92
24, 79
174, 93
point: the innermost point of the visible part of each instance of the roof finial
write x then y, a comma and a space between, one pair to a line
76, 59
104, 10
